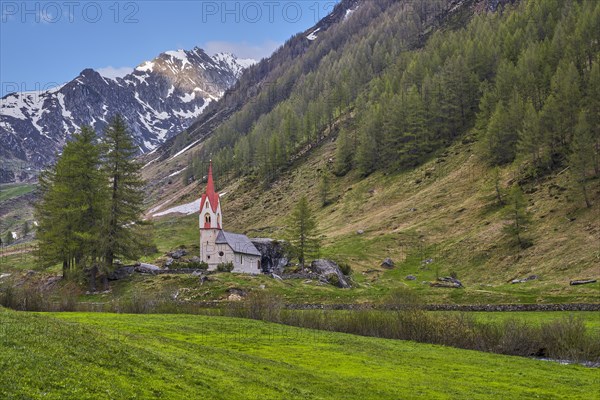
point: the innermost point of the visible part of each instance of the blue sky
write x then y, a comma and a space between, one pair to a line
47, 43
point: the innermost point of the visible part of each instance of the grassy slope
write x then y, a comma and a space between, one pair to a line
443, 210
100, 356
14, 210
10, 191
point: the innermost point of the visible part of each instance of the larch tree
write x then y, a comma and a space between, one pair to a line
301, 232
70, 213
516, 212
530, 137
125, 203
581, 159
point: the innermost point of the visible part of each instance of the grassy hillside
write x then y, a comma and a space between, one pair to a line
104, 356
436, 214
10, 191
444, 211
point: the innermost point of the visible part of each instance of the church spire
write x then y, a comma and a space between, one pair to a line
210, 186
210, 209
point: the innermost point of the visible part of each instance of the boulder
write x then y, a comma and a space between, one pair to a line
529, 278
169, 262
582, 282
146, 268
273, 255
426, 262
447, 282
388, 263
360, 232
120, 273
330, 272
411, 278
239, 293
177, 254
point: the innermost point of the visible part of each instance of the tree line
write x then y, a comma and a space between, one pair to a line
91, 205
523, 81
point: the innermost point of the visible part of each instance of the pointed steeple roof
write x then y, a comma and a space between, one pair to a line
210, 194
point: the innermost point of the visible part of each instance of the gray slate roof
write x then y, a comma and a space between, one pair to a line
239, 243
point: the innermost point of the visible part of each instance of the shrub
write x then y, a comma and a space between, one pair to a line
333, 279
518, 338
402, 298
567, 339
260, 305
225, 267
198, 265
345, 268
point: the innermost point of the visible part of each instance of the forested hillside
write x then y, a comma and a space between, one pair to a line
447, 132
524, 82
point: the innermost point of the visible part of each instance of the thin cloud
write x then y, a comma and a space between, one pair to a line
112, 72
242, 49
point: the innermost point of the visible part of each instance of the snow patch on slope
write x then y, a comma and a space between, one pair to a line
180, 55
313, 35
187, 209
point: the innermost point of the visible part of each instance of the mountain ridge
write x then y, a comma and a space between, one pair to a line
158, 99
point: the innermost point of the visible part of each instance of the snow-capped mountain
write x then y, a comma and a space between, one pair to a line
159, 99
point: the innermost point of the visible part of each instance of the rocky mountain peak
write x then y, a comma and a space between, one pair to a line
158, 99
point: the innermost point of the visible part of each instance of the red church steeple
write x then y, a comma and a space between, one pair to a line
212, 213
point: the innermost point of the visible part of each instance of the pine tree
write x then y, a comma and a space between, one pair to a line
519, 217
301, 232
499, 141
368, 155
559, 115
125, 204
70, 213
502, 131
343, 154
25, 228
324, 189
498, 190
593, 102
581, 159
530, 137
8, 239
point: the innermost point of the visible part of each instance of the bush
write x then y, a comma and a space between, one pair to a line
258, 305
567, 339
345, 268
198, 265
225, 267
189, 265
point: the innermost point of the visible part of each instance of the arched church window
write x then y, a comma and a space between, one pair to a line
207, 218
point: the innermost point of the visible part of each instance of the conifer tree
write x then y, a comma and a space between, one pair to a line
516, 211
324, 189
368, 156
71, 210
8, 239
581, 159
593, 103
343, 154
559, 115
125, 203
301, 232
498, 191
530, 136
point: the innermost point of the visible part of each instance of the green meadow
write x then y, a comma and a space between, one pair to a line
120, 356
